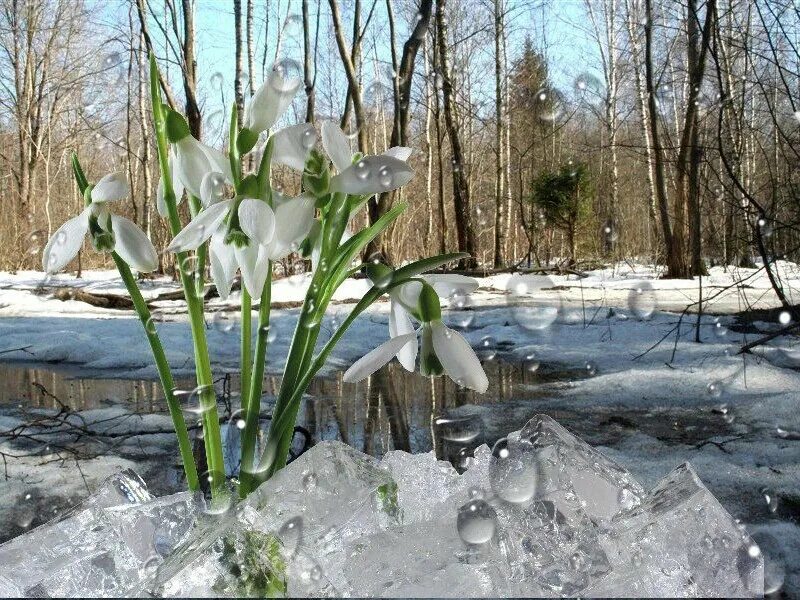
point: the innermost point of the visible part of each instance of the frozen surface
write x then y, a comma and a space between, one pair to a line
542, 514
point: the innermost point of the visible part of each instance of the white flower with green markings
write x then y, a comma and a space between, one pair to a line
441, 349
109, 232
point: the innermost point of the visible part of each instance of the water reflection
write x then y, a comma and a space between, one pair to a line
391, 410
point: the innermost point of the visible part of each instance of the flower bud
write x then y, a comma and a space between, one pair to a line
429, 307
177, 127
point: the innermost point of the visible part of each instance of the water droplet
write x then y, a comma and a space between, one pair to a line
487, 349
377, 94
787, 434
475, 492
459, 429
513, 471
362, 170
642, 301
719, 329
150, 326
459, 313
291, 534
636, 559
289, 70
765, 227
531, 362
36, 241
220, 322
784, 318
578, 562
532, 301
216, 80
61, 238
200, 400
550, 104
588, 88
315, 574
111, 60
715, 390
293, 24
385, 177
590, 369
771, 498
476, 522
308, 138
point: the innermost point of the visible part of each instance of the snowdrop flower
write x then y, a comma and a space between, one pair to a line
108, 231
271, 234
270, 101
441, 348
177, 187
192, 161
368, 175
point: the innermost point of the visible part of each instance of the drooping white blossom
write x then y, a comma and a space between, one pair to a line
129, 242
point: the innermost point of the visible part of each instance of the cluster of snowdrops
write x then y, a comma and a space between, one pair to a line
241, 224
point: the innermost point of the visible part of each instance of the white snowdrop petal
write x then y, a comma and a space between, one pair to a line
400, 324
254, 266
161, 205
294, 219
111, 187
446, 284
257, 220
191, 164
223, 264
270, 101
177, 188
372, 175
292, 145
375, 359
399, 152
407, 295
219, 162
133, 246
65, 243
207, 187
458, 358
336, 145
199, 229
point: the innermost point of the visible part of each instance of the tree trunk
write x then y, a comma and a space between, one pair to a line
238, 90
461, 200
193, 116
499, 198
309, 63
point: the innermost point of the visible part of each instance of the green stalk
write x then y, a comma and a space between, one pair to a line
253, 411
164, 372
211, 429
245, 349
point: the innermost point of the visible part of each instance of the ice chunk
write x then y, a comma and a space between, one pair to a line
105, 546
680, 542
568, 463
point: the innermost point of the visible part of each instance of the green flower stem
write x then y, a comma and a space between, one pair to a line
245, 349
195, 206
164, 372
253, 410
210, 420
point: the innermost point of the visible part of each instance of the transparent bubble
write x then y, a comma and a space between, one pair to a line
533, 304
293, 24
588, 88
362, 170
150, 326
198, 401
36, 241
221, 322
642, 301
480, 217
308, 138
787, 434
774, 561
438, 80
271, 334
377, 94
590, 368
385, 177
550, 104
513, 471
458, 429
476, 522
715, 390
765, 227
459, 313
315, 573
487, 348
289, 70
291, 534
112, 59
531, 362
224, 497
217, 80
719, 329
771, 499
784, 318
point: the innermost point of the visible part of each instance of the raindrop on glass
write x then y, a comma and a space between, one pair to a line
476, 522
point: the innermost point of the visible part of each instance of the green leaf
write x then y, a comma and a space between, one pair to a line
246, 140
255, 566
248, 187
177, 127
427, 264
429, 307
80, 178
